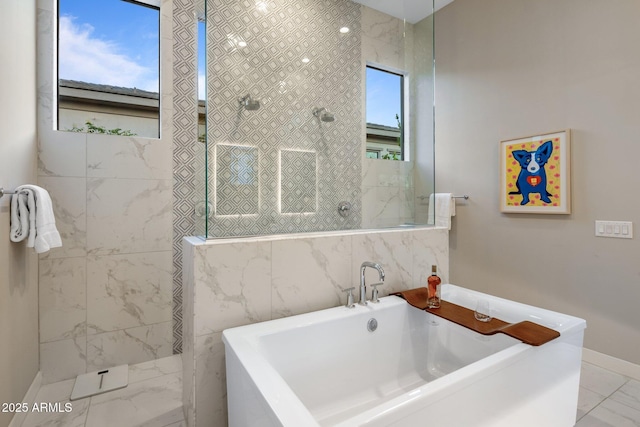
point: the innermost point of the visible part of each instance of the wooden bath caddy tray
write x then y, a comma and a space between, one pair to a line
527, 332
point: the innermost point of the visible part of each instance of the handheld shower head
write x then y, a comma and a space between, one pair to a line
323, 114
249, 103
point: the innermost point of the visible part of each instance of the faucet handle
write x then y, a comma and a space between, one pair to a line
350, 303
374, 292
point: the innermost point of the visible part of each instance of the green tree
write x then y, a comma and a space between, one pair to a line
91, 128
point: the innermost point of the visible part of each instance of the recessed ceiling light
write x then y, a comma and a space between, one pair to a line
344, 30
242, 44
305, 60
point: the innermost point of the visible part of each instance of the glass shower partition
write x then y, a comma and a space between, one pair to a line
291, 140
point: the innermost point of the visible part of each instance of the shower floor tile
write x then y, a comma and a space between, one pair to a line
153, 398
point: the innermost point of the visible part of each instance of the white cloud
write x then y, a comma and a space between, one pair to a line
88, 59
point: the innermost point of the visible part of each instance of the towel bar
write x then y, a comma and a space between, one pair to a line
453, 197
3, 192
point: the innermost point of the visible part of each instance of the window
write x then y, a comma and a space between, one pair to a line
109, 67
384, 114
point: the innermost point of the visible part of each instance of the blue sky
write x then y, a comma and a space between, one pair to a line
383, 97
109, 42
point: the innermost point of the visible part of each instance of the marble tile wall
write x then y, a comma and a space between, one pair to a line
388, 196
106, 295
230, 283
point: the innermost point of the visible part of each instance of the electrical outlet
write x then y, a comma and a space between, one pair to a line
617, 229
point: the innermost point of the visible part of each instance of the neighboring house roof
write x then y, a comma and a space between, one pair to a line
74, 84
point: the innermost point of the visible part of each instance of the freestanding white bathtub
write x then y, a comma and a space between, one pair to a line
327, 369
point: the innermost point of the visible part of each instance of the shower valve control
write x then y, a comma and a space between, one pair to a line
344, 208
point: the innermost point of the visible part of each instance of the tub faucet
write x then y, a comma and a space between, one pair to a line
363, 287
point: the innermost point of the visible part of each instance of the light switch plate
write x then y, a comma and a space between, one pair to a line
616, 229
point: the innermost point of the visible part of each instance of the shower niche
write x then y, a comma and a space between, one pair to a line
285, 135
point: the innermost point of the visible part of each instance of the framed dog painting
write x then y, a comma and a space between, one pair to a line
535, 174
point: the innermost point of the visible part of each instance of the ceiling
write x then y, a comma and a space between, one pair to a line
411, 10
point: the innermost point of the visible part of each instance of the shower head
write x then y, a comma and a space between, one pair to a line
323, 114
249, 103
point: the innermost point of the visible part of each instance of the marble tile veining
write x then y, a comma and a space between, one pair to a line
76, 417
134, 345
236, 280
310, 274
393, 250
153, 398
611, 413
60, 153
62, 299
628, 394
115, 208
155, 368
137, 404
125, 291
71, 215
64, 359
211, 398
587, 400
600, 380
128, 157
56, 392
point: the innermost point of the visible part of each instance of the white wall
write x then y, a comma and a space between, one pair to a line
511, 68
18, 265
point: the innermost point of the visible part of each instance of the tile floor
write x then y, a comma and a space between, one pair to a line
607, 399
153, 398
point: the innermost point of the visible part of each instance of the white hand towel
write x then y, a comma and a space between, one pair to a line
19, 218
34, 202
442, 206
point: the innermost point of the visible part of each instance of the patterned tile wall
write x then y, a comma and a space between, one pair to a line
257, 49
187, 151
236, 180
298, 181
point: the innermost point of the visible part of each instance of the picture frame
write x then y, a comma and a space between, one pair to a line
535, 174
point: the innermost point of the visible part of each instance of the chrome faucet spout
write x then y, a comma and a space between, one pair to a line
363, 287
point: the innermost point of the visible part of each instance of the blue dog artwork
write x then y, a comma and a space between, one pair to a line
533, 176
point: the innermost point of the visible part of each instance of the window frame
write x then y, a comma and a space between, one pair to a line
404, 105
153, 4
